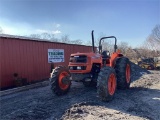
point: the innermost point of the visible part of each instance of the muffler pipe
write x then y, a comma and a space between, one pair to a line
93, 41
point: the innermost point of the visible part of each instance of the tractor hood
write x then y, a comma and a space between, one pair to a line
91, 54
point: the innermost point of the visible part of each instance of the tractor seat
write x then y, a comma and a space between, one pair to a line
106, 57
105, 54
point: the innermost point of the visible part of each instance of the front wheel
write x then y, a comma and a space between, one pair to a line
56, 80
106, 84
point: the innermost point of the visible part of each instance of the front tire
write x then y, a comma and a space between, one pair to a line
106, 84
57, 86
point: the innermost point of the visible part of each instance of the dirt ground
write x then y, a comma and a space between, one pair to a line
140, 102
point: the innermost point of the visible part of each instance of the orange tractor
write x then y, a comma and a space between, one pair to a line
107, 71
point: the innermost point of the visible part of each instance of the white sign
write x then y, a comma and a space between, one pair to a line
55, 55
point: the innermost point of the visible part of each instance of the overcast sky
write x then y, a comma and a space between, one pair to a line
129, 20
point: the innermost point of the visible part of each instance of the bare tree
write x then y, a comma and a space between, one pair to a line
78, 41
96, 40
48, 36
153, 40
108, 45
35, 36
156, 33
89, 42
45, 36
123, 46
132, 54
150, 47
65, 39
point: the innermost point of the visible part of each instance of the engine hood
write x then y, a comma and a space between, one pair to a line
90, 54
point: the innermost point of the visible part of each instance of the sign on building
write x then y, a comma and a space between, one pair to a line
55, 55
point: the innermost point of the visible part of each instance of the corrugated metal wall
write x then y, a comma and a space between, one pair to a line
0, 61
29, 58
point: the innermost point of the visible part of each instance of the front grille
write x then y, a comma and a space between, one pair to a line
78, 59
75, 68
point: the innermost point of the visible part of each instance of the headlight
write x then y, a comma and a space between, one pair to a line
71, 68
79, 68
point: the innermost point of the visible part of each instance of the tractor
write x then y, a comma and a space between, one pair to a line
108, 72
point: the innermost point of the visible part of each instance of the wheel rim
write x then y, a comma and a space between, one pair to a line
61, 76
128, 73
112, 84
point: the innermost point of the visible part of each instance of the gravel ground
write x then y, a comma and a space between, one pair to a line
141, 102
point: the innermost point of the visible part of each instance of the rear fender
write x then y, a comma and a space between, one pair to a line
114, 58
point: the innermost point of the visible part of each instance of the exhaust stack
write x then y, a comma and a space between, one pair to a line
93, 41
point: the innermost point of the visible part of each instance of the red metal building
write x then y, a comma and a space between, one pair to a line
29, 58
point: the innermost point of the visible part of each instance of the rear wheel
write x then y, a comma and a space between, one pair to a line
56, 80
106, 84
123, 73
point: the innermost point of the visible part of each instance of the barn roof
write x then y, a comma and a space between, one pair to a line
34, 39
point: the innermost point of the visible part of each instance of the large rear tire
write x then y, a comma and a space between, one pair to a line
123, 73
106, 84
57, 86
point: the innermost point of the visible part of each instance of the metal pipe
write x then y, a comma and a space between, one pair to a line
93, 41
